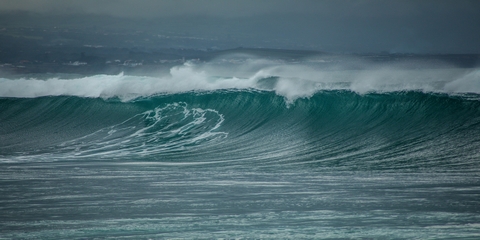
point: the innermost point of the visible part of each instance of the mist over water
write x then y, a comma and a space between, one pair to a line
244, 146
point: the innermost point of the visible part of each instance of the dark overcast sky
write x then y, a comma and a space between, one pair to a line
440, 26
232, 8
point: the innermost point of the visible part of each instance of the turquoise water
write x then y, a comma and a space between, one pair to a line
250, 157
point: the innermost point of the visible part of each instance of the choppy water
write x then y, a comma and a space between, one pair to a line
273, 151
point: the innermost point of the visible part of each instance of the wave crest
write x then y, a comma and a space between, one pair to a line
291, 81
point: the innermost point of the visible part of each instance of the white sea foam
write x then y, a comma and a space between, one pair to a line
289, 80
165, 129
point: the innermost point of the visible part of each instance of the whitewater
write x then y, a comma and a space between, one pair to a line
251, 148
289, 80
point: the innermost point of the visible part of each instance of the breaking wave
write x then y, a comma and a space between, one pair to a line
262, 114
288, 80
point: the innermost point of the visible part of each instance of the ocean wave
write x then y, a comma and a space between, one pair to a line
331, 129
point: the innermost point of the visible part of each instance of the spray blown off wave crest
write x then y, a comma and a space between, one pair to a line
291, 81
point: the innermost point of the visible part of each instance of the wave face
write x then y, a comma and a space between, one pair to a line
335, 128
258, 150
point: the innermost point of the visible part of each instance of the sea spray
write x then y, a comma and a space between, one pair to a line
291, 81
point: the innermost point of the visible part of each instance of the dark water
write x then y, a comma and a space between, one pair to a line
247, 163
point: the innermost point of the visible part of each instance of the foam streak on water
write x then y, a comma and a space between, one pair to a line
97, 200
162, 130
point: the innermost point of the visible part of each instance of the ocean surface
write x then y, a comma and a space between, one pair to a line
253, 148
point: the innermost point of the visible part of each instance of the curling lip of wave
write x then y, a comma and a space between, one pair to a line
290, 81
